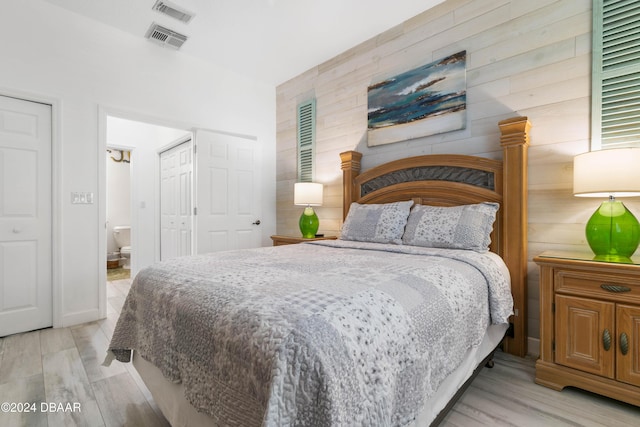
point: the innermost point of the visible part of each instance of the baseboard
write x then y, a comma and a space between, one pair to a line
533, 347
71, 319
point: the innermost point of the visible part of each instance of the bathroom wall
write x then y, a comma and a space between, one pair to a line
118, 194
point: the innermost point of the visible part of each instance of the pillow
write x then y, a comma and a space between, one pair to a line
378, 223
455, 227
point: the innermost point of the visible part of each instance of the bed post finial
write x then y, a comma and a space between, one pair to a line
514, 139
350, 169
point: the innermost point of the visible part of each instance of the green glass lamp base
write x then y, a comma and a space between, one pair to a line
613, 233
309, 223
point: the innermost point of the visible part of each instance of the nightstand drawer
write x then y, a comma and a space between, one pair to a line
606, 287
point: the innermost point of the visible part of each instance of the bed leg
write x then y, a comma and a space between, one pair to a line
489, 363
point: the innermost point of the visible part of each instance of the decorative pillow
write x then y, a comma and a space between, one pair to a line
378, 223
455, 227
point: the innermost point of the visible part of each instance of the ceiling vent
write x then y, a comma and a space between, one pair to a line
165, 37
173, 11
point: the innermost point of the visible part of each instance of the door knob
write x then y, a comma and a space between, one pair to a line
256, 222
16, 230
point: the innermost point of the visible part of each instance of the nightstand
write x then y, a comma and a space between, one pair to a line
290, 240
589, 325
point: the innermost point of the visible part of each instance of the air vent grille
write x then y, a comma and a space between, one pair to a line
165, 36
173, 11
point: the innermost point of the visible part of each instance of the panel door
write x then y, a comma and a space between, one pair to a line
176, 177
25, 216
581, 325
228, 192
628, 362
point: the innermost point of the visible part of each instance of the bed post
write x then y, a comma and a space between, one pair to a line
514, 139
350, 169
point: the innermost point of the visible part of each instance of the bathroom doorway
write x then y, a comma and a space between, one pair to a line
136, 144
118, 224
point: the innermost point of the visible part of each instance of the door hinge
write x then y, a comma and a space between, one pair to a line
195, 211
553, 345
553, 307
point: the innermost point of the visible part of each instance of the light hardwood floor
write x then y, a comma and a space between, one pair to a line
65, 366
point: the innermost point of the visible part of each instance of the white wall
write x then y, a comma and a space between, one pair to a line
81, 66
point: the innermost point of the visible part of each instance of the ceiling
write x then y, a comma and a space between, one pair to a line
268, 40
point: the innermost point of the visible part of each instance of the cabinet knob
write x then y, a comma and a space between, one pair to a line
624, 343
606, 339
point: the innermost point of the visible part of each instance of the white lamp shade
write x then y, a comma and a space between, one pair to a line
604, 173
307, 194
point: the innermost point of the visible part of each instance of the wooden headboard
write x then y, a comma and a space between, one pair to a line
453, 179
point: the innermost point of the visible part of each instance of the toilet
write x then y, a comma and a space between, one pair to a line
122, 236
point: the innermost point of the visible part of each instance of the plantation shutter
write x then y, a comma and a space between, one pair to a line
616, 73
306, 140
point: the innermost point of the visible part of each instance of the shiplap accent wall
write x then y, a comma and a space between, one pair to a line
523, 58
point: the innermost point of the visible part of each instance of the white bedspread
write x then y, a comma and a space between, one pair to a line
330, 333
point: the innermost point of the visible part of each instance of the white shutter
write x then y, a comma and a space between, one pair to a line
306, 140
616, 73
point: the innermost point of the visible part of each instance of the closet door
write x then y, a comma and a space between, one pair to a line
176, 175
25, 216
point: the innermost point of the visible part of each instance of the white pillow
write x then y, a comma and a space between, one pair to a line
377, 223
455, 227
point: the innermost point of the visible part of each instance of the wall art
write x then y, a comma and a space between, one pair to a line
428, 100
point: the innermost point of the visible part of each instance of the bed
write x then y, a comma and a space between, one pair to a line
381, 327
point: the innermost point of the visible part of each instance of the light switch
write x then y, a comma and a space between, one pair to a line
81, 198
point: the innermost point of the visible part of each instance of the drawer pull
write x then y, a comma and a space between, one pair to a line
624, 343
606, 339
615, 288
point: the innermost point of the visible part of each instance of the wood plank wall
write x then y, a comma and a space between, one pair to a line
523, 58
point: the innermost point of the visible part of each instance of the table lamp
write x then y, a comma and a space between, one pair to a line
613, 233
308, 194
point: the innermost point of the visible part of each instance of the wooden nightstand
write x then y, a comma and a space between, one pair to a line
589, 325
290, 240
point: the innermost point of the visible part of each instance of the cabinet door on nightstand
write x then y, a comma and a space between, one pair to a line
628, 365
581, 327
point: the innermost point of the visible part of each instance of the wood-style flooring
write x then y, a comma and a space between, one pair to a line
64, 366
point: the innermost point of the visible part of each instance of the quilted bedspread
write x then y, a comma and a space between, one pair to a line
327, 333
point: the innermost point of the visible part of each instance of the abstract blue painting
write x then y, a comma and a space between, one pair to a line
428, 100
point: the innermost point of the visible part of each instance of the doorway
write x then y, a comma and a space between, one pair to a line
145, 138
118, 224
231, 208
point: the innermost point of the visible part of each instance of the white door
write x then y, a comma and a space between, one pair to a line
176, 176
229, 195
25, 216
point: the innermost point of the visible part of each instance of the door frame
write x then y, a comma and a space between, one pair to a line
56, 196
104, 112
